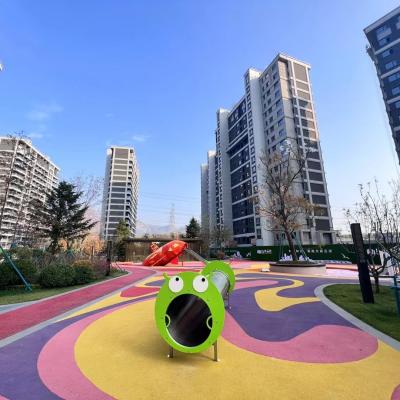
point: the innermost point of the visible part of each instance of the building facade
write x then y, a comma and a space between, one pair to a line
120, 194
277, 107
208, 190
384, 49
26, 177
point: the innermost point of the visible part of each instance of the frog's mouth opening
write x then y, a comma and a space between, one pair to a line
188, 320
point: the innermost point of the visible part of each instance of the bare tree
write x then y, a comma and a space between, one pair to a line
91, 187
281, 198
379, 217
220, 235
205, 241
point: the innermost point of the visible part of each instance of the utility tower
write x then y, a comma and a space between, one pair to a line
172, 224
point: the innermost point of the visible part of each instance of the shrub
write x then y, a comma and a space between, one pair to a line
28, 270
100, 267
9, 277
6, 274
57, 276
83, 273
220, 255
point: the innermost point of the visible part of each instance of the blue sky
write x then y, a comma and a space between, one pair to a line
81, 75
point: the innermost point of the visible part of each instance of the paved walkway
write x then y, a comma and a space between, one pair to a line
279, 342
25, 317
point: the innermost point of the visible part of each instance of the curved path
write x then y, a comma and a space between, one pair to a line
280, 341
22, 318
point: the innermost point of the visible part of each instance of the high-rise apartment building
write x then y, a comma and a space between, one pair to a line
277, 107
26, 177
120, 195
384, 39
208, 187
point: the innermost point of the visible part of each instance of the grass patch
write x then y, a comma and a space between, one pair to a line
18, 294
382, 315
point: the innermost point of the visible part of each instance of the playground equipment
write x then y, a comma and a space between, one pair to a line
190, 308
165, 254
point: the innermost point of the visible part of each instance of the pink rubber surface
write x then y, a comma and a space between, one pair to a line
23, 318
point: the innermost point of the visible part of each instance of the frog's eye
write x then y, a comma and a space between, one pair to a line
200, 283
175, 284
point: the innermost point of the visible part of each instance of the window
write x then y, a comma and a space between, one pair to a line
302, 86
318, 199
397, 104
390, 65
322, 224
394, 77
387, 53
315, 176
384, 41
280, 123
314, 165
396, 91
382, 32
281, 132
304, 95
317, 187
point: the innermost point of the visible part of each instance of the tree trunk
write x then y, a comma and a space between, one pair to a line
376, 279
291, 246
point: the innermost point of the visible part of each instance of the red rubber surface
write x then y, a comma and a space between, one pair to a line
23, 318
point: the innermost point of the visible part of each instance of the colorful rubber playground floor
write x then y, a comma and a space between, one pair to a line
280, 341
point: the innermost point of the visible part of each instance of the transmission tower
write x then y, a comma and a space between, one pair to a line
172, 224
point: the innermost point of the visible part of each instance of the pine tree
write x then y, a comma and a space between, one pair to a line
122, 231
193, 229
63, 217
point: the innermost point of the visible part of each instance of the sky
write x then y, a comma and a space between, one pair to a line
80, 76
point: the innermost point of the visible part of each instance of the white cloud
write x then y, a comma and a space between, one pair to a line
139, 138
44, 112
35, 135
127, 140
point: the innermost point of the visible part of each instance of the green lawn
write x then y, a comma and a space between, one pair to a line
19, 294
382, 315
